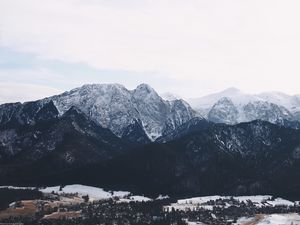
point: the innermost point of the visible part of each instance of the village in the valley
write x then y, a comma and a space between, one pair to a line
78, 204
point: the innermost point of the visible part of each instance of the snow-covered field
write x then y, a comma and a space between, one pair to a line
135, 198
255, 199
94, 193
202, 202
274, 219
278, 219
17, 188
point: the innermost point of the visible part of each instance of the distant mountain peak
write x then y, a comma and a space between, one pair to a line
145, 89
225, 100
224, 111
144, 86
170, 96
145, 92
231, 90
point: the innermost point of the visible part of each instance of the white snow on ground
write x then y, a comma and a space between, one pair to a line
121, 194
280, 201
135, 198
274, 219
17, 188
280, 219
201, 202
255, 198
95, 193
245, 220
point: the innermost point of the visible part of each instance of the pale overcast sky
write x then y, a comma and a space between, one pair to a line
189, 47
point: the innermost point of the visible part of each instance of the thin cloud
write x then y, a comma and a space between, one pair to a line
253, 45
16, 92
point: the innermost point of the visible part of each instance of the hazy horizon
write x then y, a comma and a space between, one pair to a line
191, 48
7, 94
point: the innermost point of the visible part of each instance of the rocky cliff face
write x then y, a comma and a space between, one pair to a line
224, 111
115, 107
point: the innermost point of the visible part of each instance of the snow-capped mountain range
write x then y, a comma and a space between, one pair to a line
291, 102
142, 113
112, 106
232, 106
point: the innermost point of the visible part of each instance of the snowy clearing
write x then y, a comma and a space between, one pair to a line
274, 219
203, 202
135, 198
94, 193
17, 188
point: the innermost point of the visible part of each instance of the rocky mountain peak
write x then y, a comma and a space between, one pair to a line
146, 92
266, 111
144, 87
170, 96
113, 106
224, 111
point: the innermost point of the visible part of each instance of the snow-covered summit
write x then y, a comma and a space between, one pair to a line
170, 96
238, 97
234, 94
292, 103
224, 111
143, 87
115, 107
242, 107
